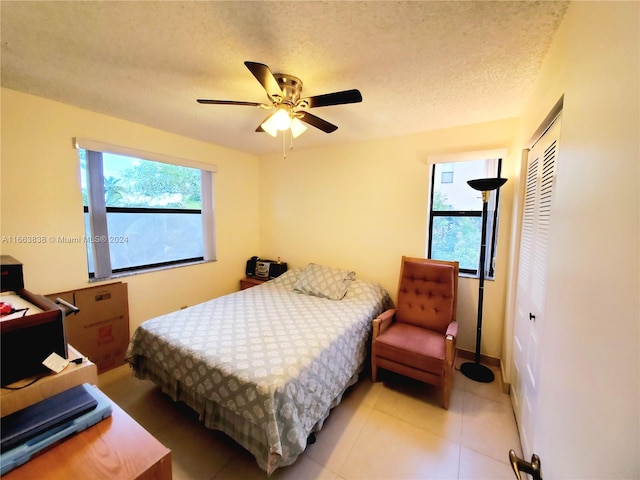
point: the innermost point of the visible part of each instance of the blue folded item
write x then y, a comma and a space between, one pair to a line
30, 430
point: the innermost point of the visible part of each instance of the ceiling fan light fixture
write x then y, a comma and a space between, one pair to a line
281, 119
275, 122
297, 127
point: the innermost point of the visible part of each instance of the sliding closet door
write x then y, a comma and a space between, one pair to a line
532, 268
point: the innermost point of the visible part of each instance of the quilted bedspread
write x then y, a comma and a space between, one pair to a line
265, 364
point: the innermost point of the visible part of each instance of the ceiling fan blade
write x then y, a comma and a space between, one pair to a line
266, 79
260, 129
317, 122
227, 102
336, 98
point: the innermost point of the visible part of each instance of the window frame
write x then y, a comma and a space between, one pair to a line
492, 214
98, 210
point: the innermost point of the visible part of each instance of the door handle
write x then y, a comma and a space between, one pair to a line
532, 316
519, 465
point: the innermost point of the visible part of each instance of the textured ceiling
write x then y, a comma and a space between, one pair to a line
420, 65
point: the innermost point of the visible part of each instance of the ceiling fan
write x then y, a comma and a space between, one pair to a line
284, 95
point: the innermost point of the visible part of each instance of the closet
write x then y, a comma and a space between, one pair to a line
531, 281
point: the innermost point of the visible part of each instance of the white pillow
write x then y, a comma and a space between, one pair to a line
325, 282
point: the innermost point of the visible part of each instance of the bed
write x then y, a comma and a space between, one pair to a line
265, 365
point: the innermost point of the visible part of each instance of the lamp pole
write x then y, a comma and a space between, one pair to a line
474, 370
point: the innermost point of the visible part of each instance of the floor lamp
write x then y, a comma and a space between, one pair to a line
474, 370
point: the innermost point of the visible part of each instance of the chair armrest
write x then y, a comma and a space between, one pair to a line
383, 321
450, 342
452, 330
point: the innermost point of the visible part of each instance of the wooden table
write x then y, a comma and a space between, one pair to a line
116, 448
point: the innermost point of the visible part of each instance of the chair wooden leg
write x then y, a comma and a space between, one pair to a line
446, 388
446, 394
374, 370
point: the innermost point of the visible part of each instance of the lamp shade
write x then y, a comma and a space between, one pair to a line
280, 120
297, 127
270, 126
486, 184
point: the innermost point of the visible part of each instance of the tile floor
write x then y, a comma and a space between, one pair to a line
392, 429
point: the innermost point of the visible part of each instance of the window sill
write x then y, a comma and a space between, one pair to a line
148, 270
474, 276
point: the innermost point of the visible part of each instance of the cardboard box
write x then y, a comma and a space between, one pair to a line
100, 330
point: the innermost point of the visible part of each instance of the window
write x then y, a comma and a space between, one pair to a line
142, 213
455, 213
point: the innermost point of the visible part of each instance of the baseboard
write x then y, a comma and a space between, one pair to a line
491, 361
506, 386
487, 360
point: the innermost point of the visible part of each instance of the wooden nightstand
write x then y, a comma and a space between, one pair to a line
249, 282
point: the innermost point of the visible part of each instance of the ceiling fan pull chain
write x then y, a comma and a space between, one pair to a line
284, 144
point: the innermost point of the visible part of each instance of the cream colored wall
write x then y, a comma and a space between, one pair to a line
41, 196
588, 420
362, 206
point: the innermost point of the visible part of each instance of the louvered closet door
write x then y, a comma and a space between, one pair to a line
532, 268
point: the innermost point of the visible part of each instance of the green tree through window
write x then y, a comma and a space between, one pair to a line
152, 214
456, 214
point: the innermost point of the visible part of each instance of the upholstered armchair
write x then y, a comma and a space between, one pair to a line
417, 339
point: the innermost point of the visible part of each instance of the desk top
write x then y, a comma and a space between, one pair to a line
116, 448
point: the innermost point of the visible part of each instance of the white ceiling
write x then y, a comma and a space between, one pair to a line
420, 65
